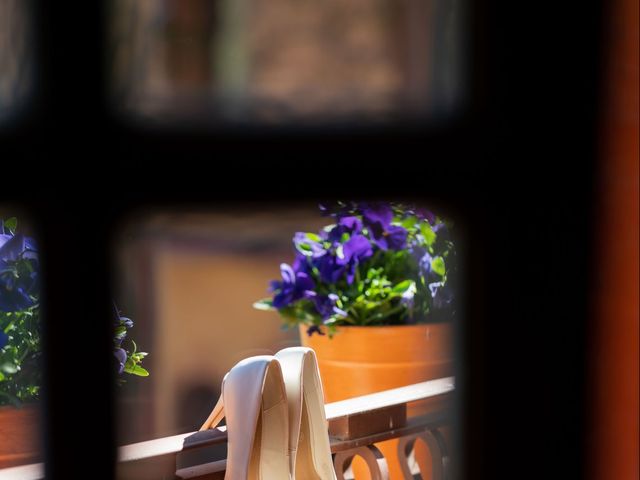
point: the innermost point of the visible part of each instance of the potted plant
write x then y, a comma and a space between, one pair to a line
371, 294
20, 347
20, 372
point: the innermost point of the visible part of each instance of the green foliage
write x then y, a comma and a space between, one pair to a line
128, 360
11, 224
133, 360
20, 358
20, 323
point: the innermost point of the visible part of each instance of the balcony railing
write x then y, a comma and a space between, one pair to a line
355, 426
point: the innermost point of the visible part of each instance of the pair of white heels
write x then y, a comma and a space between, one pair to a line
276, 424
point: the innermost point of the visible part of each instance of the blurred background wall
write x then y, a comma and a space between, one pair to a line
16, 55
273, 60
188, 280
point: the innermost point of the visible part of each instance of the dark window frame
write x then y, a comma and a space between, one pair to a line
520, 160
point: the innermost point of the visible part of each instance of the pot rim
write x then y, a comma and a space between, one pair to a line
359, 327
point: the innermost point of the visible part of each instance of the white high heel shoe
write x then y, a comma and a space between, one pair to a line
254, 402
309, 449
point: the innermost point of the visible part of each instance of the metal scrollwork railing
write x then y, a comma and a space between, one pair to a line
377, 464
437, 448
356, 427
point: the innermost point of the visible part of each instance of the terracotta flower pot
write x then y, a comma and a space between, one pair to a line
19, 440
362, 360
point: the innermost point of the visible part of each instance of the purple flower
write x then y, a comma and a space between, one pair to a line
15, 247
337, 209
314, 329
417, 251
441, 230
329, 268
441, 294
351, 225
425, 264
378, 219
13, 297
301, 264
294, 286
433, 288
4, 238
303, 244
127, 322
326, 306
408, 297
424, 259
428, 215
17, 287
377, 213
121, 358
356, 250
120, 320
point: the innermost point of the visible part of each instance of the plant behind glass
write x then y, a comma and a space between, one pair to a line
376, 264
20, 327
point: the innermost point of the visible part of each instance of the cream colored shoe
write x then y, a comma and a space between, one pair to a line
254, 403
310, 452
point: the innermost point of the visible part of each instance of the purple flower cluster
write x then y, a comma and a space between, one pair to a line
120, 353
18, 272
126, 361
382, 263
336, 254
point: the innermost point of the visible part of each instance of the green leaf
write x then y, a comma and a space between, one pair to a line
138, 357
428, 233
403, 286
9, 368
313, 237
11, 224
136, 370
437, 265
304, 248
409, 222
265, 304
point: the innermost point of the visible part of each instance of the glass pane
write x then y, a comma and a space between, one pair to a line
206, 289
20, 343
188, 281
275, 61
